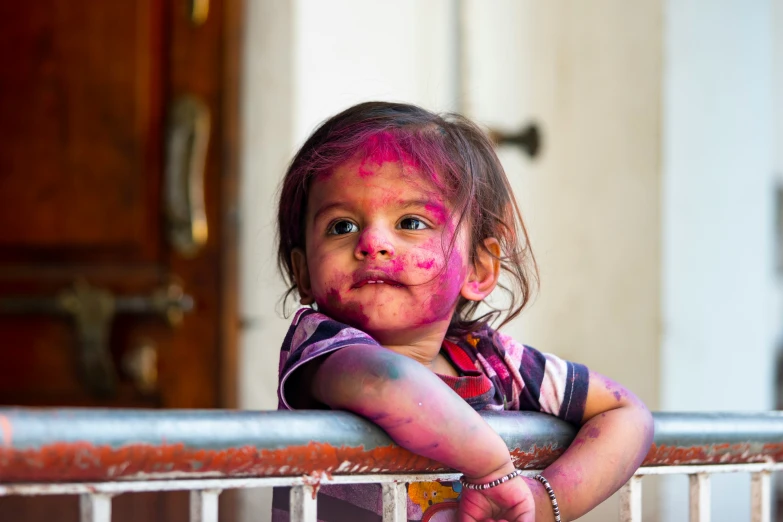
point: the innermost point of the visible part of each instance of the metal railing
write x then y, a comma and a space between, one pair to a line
98, 454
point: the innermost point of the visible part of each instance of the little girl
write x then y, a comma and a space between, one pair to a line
394, 225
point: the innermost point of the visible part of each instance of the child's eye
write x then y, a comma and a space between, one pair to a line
339, 228
411, 223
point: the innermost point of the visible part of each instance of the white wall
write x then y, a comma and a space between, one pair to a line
717, 350
348, 51
267, 130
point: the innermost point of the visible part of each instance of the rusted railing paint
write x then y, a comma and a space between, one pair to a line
42, 445
95, 445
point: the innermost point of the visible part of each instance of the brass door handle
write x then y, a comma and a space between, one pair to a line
186, 154
198, 11
92, 311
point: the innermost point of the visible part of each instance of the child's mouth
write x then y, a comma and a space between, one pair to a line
377, 282
388, 283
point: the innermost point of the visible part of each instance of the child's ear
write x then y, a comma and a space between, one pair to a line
484, 273
302, 276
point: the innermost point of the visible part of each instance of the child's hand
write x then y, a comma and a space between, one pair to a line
511, 501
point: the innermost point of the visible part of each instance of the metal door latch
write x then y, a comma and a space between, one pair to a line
92, 311
527, 139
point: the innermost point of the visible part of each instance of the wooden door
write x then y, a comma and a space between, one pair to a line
117, 213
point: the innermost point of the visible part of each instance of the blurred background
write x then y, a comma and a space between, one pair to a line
143, 143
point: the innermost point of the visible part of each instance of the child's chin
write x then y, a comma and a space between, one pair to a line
388, 335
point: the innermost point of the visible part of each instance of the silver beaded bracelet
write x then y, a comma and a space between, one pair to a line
496, 482
551, 494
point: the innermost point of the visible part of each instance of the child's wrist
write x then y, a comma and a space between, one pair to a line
544, 511
495, 474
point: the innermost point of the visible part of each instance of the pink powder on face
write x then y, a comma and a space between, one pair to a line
350, 313
446, 291
397, 265
429, 266
365, 172
437, 211
425, 264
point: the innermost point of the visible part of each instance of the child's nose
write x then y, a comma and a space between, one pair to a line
373, 243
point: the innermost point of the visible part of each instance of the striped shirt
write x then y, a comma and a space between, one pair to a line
495, 372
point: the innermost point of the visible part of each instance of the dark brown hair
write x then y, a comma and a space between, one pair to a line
449, 148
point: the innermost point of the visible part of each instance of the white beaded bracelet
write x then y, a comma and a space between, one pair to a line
551, 494
496, 482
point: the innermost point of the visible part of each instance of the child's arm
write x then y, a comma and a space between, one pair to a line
415, 407
422, 414
616, 434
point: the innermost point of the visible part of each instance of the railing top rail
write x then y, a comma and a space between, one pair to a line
61, 445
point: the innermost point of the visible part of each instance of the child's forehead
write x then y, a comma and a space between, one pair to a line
389, 185
359, 173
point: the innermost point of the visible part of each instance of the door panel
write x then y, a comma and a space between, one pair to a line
80, 100
86, 96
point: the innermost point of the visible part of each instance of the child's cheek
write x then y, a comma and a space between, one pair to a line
331, 302
427, 259
453, 274
447, 284
398, 265
425, 263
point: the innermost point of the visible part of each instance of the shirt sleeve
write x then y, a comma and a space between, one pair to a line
545, 382
310, 336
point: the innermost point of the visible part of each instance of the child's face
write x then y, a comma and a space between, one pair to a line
379, 252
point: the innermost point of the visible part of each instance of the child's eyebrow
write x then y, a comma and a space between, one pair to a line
426, 203
433, 207
323, 209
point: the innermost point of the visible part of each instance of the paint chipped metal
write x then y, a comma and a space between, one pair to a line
41, 445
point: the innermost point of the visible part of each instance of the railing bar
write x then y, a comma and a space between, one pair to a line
753, 467
303, 503
631, 500
67, 488
395, 502
204, 505
141, 486
95, 507
699, 497
760, 497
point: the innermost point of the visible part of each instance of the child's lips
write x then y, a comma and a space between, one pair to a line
377, 280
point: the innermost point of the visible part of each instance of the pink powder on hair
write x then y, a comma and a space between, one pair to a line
381, 148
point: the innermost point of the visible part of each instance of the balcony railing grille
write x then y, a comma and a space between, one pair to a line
98, 454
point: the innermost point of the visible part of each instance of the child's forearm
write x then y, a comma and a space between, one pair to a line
604, 455
418, 410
